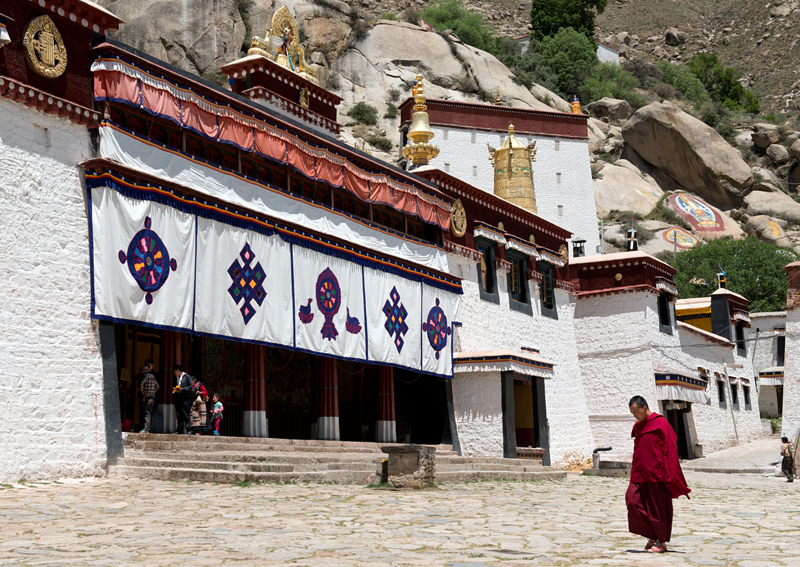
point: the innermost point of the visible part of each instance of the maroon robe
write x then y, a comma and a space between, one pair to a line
656, 478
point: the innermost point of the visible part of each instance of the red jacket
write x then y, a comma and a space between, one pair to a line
655, 455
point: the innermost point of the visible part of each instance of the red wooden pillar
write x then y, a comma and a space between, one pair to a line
385, 427
172, 353
328, 419
254, 418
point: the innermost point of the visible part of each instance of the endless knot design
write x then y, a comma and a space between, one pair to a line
248, 283
395, 318
329, 299
437, 328
44, 47
148, 260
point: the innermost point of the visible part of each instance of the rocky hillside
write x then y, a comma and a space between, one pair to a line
363, 59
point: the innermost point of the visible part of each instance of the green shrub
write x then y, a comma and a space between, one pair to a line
383, 144
770, 118
389, 16
364, 113
391, 111
661, 212
469, 26
550, 16
646, 73
610, 80
722, 83
220, 79
529, 67
665, 91
571, 56
684, 82
394, 95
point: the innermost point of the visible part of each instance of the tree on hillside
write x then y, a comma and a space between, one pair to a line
722, 83
754, 269
549, 16
611, 80
571, 56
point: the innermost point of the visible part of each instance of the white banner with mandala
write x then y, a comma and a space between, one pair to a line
244, 284
142, 260
180, 263
329, 305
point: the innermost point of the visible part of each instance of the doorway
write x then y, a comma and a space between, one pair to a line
677, 415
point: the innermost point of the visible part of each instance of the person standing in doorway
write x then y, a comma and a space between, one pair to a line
148, 387
183, 399
656, 477
787, 463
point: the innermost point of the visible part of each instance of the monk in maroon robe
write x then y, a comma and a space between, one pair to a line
656, 477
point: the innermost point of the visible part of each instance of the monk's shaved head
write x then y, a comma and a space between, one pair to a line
639, 402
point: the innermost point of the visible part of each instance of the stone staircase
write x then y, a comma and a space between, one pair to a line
245, 459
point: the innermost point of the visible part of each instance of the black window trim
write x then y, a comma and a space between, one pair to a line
491, 264
546, 269
721, 395
513, 304
665, 305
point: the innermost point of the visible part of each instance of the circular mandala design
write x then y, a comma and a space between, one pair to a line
458, 219
436, 328
148, 260
329, 297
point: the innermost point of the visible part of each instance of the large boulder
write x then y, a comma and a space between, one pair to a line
550, 98
612, 108
193, 35
796, 149
778, 153
765, 138
775, 204
672, 36
622, 187
690, 152
768, 229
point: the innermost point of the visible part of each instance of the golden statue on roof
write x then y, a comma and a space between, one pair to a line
281, 44
420, 151
513, 171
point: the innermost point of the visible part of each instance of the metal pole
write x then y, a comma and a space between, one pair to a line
730, 397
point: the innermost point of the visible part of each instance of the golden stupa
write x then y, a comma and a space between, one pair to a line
420, 151
513, 174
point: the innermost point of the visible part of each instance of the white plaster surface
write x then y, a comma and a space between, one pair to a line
768, 402
764, 339
489, 326
791, 376
51, 382
621, 346
477, 402
569, 203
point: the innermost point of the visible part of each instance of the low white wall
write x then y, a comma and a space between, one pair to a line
477, 402
50, 366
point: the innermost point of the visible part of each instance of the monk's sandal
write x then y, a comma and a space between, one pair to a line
650, 543
658, 548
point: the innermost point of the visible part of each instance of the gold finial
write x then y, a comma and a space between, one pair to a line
420, 151
513, 174
497, 100
282, 37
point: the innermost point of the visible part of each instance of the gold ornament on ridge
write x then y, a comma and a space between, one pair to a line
513, 172
420, 151
282, 38
44, 49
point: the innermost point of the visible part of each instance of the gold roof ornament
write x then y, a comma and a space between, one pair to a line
282, 44
497, 100
513, 172
420, 151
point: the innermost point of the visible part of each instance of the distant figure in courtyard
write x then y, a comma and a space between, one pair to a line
787, 464
216, 412
656, 477
148, 387
199, 414
183, 398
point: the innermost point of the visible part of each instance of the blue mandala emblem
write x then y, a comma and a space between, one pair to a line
148, 260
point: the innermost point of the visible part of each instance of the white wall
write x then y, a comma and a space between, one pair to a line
488, 326
50, 366
764, 350
477, 401
607, 55
768, 402
791, 376
469, 161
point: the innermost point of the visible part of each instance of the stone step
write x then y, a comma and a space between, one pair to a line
459, 477
245, 466
444, 466
230, 477
455, 459
278, 457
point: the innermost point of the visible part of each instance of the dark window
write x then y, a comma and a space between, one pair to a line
664, 320
231, 161
746, 393
741, 348
212, 155
735, 396
247, 167
721, 394
136, 124
781, 349
194, 147
487, 274
158, 133
547, 290
518, 295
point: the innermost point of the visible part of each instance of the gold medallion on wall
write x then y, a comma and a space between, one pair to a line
458, 219
44, 49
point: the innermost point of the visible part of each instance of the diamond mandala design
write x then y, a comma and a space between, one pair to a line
248, 283
396, 315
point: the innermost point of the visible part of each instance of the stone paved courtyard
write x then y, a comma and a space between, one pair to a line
742, 520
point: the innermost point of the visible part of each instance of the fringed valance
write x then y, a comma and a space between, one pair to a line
740, 315
666, 285
488, 232
502, 361
513, 243
125, 82
678, 387
771, 376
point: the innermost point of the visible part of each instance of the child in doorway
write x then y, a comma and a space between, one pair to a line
216, 412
